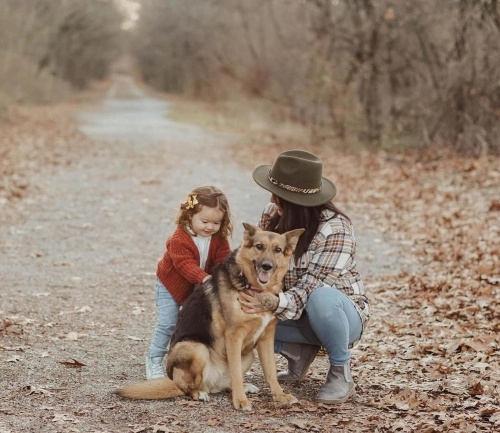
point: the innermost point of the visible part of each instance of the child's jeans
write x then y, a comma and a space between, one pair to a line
167, 311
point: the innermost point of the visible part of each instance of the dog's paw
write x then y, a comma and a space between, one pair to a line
285, 399
203, 396
250, 389
242, 404
200, 395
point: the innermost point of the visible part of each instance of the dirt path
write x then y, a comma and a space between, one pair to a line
77, 276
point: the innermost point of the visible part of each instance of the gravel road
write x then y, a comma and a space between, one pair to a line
77, 272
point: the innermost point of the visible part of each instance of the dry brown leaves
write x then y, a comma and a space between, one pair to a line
429, 360
35, 138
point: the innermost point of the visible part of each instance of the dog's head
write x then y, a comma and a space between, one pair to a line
264, 256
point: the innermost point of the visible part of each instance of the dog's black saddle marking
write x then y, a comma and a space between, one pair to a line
194, 320
195, 317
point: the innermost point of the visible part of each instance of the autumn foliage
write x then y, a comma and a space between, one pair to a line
431, 354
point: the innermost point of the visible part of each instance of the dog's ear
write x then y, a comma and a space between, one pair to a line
292, 237
250, 229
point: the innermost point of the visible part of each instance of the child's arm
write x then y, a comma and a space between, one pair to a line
185, 261
223, 250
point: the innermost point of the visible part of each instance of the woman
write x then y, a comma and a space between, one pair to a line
323, 302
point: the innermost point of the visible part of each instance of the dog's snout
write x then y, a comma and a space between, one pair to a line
267, 266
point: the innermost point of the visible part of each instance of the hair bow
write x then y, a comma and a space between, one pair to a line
191, 201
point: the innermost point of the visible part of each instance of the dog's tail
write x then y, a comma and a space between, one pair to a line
150, 390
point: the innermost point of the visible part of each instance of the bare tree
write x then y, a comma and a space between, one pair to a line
49, 45
390, 74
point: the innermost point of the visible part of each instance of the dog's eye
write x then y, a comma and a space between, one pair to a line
278, 250
260, 247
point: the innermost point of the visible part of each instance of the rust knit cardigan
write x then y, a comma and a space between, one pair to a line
179, 269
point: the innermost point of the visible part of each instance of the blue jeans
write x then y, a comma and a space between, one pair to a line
330, 320
167, 310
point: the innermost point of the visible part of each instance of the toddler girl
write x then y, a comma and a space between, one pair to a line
198, 244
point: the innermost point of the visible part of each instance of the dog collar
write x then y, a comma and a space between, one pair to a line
244, 281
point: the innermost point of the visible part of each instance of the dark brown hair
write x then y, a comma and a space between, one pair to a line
296, 216
209, 196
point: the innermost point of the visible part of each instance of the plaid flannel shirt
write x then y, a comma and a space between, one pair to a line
329, 261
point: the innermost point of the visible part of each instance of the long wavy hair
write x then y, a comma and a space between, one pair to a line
209, 196
295, 216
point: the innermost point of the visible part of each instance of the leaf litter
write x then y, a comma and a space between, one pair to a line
429, 359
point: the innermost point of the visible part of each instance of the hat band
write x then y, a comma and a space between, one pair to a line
293, 188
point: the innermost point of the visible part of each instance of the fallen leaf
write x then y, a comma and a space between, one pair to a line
213, 422
73, 336
13, 358
137, 310
32, 390
494, 206
162, 429
73, 364
476, 389
63, 417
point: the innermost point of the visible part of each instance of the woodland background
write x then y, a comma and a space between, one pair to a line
383, 74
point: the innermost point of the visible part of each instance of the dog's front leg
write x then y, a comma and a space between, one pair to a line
265, 348
233, 348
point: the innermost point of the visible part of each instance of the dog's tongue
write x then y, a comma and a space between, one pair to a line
264, 277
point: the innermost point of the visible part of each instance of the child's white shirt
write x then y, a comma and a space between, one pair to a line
203, 244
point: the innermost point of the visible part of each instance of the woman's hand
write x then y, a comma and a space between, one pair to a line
253, 301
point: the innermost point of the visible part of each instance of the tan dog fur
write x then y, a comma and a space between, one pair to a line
199, 368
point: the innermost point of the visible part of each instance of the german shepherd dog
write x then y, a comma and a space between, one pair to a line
213, 342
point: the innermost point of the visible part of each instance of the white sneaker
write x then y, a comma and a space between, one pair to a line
154, 368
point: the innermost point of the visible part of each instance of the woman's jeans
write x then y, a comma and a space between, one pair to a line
330, 319
167, 311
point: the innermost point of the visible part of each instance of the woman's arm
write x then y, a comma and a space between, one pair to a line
332, 255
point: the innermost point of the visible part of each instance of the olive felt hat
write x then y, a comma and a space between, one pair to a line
296, 176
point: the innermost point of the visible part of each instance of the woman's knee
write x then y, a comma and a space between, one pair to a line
323, 300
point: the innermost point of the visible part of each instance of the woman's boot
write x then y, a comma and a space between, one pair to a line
339, 385
300, 357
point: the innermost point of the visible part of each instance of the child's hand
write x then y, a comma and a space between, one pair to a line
206, 278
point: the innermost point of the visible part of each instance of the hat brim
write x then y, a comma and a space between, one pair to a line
327, 192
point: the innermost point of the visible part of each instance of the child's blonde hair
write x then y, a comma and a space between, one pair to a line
209, 196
